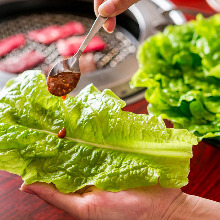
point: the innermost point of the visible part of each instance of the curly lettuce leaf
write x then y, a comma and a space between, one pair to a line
104, 146
181, 69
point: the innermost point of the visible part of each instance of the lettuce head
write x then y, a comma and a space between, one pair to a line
181, 70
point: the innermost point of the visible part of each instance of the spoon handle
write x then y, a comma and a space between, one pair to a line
94, 29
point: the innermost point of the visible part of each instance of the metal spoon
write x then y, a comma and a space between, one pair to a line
65, 75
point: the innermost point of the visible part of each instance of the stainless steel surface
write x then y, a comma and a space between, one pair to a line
5, 77
186, 10
215, 4
72, 64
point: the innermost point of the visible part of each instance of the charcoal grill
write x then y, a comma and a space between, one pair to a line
117, 63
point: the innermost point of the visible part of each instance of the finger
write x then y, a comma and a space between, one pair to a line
97, 3
111, 8
70, 203
110, 24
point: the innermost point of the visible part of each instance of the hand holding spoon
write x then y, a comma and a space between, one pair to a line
65, 75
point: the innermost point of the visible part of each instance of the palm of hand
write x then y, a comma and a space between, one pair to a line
92, 203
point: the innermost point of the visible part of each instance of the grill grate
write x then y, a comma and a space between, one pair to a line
119, 45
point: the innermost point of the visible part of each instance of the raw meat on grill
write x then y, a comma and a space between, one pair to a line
10, 43
22, 62
53, 33
70, 46
72, 28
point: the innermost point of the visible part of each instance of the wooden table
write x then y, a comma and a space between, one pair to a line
204, 178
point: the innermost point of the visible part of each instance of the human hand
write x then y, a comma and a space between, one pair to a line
111, 8
92, 203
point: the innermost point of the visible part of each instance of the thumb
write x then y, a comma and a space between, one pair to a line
111, 8
70, 203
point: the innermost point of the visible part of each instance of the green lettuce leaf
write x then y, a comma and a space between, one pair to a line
104, 146
181, 69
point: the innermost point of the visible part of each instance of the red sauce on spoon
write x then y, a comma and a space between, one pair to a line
63, 83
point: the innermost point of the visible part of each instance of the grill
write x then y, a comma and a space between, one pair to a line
116, 64
120, 45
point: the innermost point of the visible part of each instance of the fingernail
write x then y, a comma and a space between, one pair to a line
107, 8
106, 27
24, 188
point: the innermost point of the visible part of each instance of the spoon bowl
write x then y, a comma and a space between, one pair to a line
69, 65
65, 75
